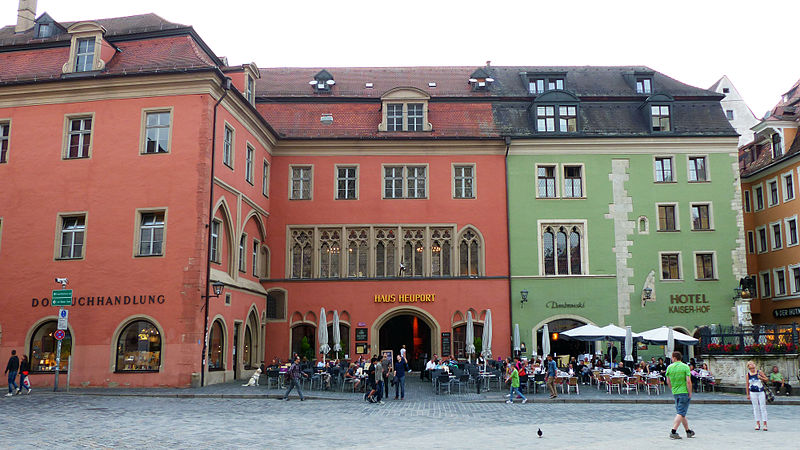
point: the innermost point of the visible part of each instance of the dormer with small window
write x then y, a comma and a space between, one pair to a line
323, 82
88, 51
658, 112
45, 27
539, 83
556, 111
251, 74
640, 81
405, 109
481, 80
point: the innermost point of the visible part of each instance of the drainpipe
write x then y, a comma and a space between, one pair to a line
508, 241
226, 86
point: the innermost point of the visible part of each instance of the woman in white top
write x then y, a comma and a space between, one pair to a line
755, 393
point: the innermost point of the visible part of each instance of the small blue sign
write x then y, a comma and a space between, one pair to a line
63, 313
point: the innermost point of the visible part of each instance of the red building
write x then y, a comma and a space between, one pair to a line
388, 206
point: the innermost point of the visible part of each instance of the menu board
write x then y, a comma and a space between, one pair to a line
361, 334
446, 344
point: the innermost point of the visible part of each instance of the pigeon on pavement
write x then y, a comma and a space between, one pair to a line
539, 432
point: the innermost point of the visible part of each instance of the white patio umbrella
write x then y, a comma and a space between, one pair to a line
322, 334
486, 351
660, 336
470, 344
587, 332
628, 344
337, 347
545, 341
670, 343
516, 337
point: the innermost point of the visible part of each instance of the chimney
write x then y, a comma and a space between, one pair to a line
26, 14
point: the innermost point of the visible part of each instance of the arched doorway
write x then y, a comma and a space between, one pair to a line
414, 327
558, 345
304, 341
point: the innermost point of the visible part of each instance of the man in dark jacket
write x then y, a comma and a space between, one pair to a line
11, 369
400, 369
24, 369
294, 375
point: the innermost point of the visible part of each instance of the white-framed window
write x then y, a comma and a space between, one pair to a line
773, 196
546, 185
698, 169
664, 169
79, 137
643, 226
702, 218
776, 235
151, 233
84, 55
242, 250
729, 114
794, 279
265, 179
644, 86
758, 196
747, 204
788, 186
563, 249
705, 266
670, 265
573, 181
544, 84
416, 116
405, 181
777, 146
761, 239
779, 276
394, 117
227, 146
557, 118
751, 242
660, 117
215, 225
790, 224
667, 214
346, 182
250, 89
73, 229
463, 180
766, 285
156, 132
300, 182
248, 169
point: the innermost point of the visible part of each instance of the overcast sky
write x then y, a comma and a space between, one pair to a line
696, 42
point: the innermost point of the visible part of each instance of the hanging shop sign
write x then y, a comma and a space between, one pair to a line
688, 303
404, 298
116, 300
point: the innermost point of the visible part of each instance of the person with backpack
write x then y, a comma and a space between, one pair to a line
293, 376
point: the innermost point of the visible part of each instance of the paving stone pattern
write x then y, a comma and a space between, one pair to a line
218, 418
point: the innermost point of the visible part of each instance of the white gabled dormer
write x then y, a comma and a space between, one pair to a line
88, 50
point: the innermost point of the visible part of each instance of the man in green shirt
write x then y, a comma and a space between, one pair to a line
779, 381
679, 379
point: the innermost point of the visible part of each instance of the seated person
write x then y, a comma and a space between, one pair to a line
779, 381
320, 364
695, 377
625, 370
352, 373
571, 370
430, 365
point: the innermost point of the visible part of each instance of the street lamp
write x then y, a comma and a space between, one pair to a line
524, 294
217, 287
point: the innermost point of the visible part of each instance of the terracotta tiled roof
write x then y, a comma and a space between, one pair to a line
361, 120
168, 53
788, 108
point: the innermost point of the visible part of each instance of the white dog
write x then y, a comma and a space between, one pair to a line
254, 379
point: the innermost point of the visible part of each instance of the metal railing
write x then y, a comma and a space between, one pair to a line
756, 339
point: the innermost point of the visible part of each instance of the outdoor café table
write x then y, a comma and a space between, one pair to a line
487, 376
562, 379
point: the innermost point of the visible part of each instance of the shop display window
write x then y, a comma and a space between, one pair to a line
216, 350
139, 348
43, 349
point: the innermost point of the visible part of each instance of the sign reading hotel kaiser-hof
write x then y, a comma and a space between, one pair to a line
688, 304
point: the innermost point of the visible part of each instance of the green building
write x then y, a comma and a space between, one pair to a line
623, 206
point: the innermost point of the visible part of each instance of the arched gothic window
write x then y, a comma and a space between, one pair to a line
385, 247
469, 249
216, 347
357, 253
413, 252
441, 252
301, 253
561, 250
329, 253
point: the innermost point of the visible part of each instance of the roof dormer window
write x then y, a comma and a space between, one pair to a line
556, 112
405, 109
540, 85
644, 85
322, 82
481, 79
84, 55
44, 30
658, 112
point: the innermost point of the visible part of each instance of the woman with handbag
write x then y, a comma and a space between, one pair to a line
756, 394
24, 369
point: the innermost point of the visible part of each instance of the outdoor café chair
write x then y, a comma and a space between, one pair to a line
273, 376
538, 380
615, 382
441, 381
653, 384
631, 384
572, 382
